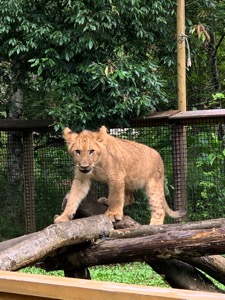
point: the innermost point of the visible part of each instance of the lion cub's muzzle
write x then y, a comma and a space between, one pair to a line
85, 170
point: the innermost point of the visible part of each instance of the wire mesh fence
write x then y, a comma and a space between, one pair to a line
36, 171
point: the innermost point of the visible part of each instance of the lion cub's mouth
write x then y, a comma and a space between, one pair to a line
85, 170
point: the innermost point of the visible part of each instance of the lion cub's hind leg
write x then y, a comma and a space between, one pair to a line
129, 199
155, 193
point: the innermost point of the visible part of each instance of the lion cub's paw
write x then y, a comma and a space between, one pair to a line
104, 200
61, 219
114, 216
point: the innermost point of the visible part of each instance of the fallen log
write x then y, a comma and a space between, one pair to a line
36, 246
146, 230
180, 274
163, 241
176, 244
154, 250
213, 265
126, 222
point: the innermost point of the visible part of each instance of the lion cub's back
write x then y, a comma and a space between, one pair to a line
135, 157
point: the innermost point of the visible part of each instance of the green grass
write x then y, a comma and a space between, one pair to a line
132, 273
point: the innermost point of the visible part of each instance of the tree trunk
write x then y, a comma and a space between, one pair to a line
14, 199
213, 62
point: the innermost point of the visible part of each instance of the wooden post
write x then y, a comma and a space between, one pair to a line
180, 167
181, 55
179, 131
29, 181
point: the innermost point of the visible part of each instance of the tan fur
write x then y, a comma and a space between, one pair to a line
124, 165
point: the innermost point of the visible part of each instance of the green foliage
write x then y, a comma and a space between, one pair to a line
105, 63
206, 38
207, 164
218, 100
98, 63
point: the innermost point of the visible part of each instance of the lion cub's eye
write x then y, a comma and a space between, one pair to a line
92, 151
77, 152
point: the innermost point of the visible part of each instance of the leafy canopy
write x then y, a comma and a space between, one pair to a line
97, 61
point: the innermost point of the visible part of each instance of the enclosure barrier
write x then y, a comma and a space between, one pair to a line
36, 170
20, 286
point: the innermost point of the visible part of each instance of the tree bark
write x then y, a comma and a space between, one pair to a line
54, 237
176, 244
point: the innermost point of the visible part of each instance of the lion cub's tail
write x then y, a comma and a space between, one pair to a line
174, 214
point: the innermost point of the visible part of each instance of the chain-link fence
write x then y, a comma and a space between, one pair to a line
36, 170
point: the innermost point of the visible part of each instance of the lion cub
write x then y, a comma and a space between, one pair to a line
122, 164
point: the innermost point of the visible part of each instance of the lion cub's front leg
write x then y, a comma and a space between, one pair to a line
115, 201
78, 192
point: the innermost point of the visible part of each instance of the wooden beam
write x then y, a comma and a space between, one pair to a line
196, 114
24, 124
29, 286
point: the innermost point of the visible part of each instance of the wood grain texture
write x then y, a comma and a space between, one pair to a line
28, 286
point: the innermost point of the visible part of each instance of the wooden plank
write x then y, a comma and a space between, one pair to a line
13, 285
198, 114
24, 124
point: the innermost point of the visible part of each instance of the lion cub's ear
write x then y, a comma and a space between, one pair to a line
68, 134
102, 134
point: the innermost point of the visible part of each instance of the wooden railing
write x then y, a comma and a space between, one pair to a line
21, 286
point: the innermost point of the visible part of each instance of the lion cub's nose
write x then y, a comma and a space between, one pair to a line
84, 166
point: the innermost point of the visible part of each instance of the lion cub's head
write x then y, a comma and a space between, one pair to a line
85, 147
